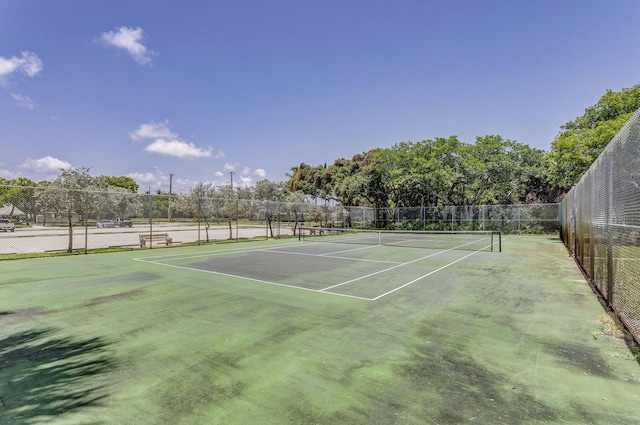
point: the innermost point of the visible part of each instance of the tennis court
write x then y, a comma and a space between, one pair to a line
363, 265
303, 333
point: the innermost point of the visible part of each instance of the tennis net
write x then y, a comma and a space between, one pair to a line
449, 240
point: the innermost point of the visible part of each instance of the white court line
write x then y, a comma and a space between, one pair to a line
273, 249
331, 255
380, 271
257, 280
396, 266
213, 254
323, 290
422, 277
352, 249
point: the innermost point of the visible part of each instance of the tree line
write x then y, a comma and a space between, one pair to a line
448, 171
76, 198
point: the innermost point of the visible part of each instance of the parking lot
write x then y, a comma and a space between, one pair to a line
43, 239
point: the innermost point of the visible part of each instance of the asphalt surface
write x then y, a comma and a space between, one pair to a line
43, 239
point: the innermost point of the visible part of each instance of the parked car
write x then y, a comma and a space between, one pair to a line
102, 224
7, 225
123, 222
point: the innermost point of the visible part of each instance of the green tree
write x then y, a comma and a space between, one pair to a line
199, 203
267, 190
494, 171
228, 207
419, 173
123, 182
116, 201
315, 181
160, 203
295, 205
582, 140
71, 195
342, 171
18, 193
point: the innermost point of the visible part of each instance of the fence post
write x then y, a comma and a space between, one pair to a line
266, 218
86, 222
150, 219
279, 232
608, 209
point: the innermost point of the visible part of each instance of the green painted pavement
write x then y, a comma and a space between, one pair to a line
498, 338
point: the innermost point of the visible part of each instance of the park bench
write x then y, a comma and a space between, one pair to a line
159, 238
316, 230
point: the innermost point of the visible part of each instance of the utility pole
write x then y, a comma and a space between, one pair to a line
231, 173
169, 203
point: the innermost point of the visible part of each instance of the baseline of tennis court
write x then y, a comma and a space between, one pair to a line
368, 272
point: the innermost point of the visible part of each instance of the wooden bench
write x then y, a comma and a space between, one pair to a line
159, 238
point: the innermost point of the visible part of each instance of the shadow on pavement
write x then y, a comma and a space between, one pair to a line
44, 375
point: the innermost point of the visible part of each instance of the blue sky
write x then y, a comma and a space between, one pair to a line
149, 88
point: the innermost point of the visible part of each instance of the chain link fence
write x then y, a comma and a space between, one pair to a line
600, 224
529, 218
45, 219
52, 219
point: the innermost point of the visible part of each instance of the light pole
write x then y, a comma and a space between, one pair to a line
231, 173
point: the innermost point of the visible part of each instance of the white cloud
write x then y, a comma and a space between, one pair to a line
7, 174
150, 180
179, 149
44, 165
158, 180
168, 143
8, 66
129, 39
244, 176
247, 180
29, 63
153, 130
219, 154
143, 179
247, 176
23, 101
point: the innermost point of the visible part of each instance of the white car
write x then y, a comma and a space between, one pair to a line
103, 224
7, 225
